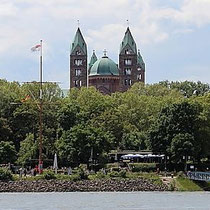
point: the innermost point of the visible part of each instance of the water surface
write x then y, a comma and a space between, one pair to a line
106, 200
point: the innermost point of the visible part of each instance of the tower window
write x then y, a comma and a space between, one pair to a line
78, 52
77, 72
129, 82
139, 77
78, 83
127, 71
127, 52
139, 68
126, 82
128, 62
78, 62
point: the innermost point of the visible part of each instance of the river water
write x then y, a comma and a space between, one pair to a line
106, 200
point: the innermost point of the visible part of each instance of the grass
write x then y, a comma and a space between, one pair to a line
185, 184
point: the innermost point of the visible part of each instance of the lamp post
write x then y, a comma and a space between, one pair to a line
185, 158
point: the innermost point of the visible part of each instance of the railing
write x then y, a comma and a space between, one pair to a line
200, 176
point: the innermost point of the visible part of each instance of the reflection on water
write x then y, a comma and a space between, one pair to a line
109, 200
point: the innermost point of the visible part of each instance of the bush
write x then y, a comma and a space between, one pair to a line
5, 174
114, 174
111, 165
75, 177
121, 174
143, 167
49, 175
100, 175
80, 172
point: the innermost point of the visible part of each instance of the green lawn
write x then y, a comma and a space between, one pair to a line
185, 184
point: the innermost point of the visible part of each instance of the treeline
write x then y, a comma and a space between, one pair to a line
171, 118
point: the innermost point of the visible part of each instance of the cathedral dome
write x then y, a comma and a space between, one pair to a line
103, 67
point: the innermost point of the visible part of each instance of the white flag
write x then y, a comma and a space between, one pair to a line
36, 48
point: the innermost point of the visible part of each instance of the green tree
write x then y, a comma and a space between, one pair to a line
28, 150
7, 152
75, 145
176, 125
188, 88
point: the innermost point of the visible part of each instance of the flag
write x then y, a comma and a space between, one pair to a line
36, 48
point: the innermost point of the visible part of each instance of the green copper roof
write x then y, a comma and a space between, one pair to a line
140, 60
79, 41
93, 59
104, 66
128, 41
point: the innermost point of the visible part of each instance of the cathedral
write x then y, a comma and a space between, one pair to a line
104, 74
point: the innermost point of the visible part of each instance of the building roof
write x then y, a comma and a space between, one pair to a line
104, 66
79, 41
93, 59
140, 60
128, 40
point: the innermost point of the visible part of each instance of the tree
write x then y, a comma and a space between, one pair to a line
75, 145
182, 145
177, 125
7, 152
188, 88
28, 150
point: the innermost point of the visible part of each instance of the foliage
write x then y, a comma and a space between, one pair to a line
48, 174
75, 145
121, 173
7, 152
86, 124
28, 150
5, 174
100, 175
188, 88
143, 167
177, 125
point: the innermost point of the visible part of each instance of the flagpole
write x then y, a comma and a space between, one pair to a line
40, 113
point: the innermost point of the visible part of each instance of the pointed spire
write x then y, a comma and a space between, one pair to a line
128, 40
140, 60
79, 41
93, 59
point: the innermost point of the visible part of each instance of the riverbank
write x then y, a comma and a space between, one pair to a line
103, 185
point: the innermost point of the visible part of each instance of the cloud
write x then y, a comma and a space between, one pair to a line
194, 12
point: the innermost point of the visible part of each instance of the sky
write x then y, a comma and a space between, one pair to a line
172, 35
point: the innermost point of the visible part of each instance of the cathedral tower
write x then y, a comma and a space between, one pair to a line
78, 61
131, 64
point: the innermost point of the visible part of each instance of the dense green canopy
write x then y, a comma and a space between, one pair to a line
170, 117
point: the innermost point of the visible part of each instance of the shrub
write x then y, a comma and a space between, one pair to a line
80, 172
114, 174
143, 167
75, 177
111, 165
49, 175
5, 174
121, 174
100, 175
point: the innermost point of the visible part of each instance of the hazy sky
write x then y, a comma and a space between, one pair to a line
173, 36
